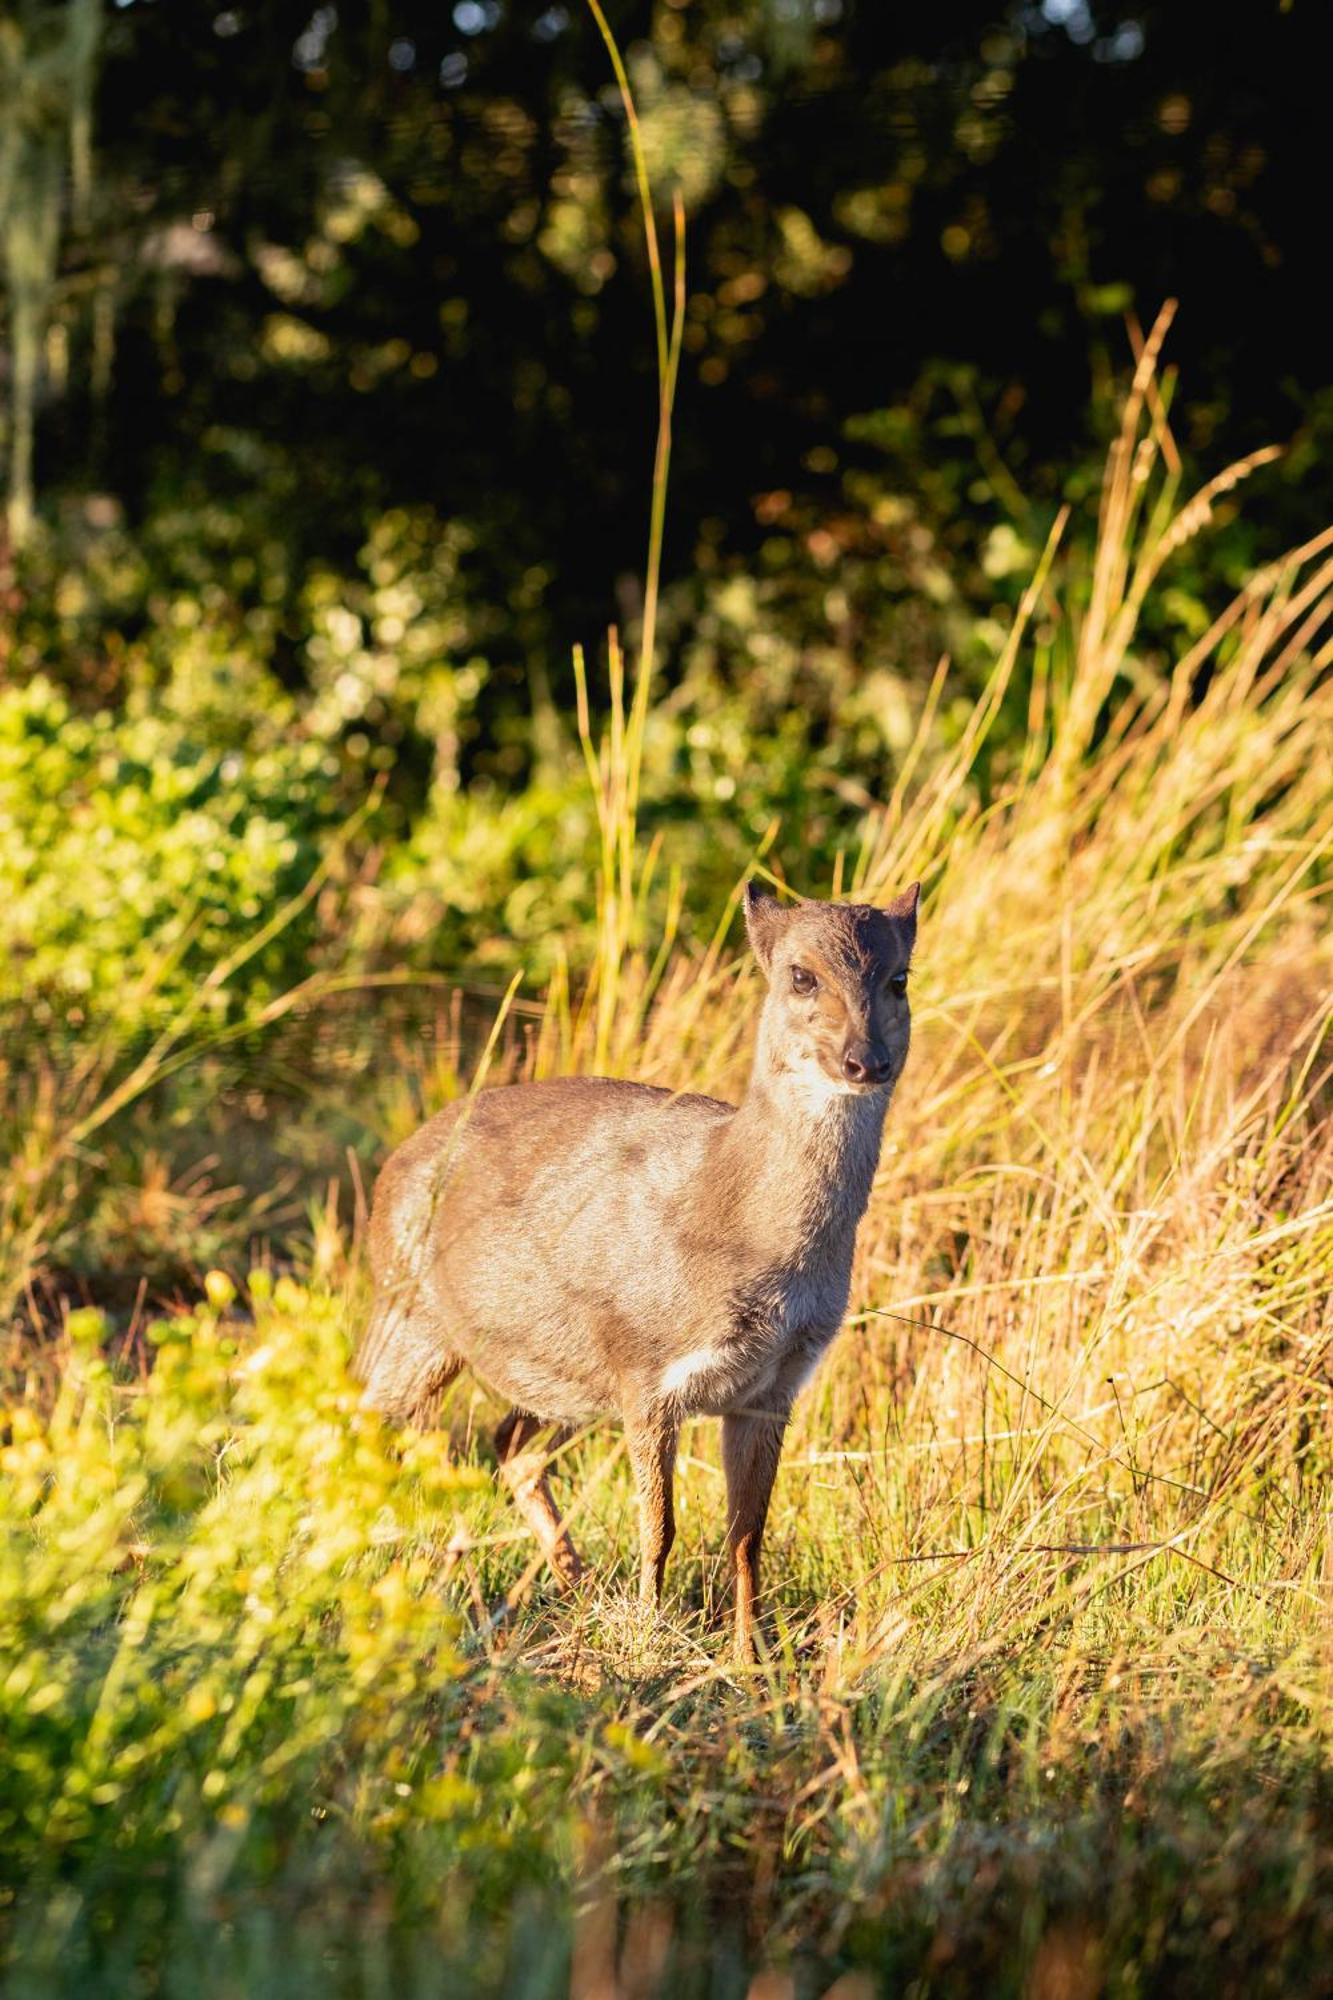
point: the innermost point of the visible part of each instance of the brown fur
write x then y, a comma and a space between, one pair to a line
594, 1247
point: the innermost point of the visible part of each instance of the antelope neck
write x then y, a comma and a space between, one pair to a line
805, 1159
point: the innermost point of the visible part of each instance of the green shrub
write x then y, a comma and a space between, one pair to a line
133, 856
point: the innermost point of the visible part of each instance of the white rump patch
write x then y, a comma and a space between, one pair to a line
688, 1369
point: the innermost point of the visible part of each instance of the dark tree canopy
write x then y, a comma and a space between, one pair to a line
371, 257
344, 417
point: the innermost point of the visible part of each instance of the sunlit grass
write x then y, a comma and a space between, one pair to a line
1050, 1672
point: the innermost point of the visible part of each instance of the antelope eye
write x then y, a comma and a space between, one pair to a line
898, 984
802, 980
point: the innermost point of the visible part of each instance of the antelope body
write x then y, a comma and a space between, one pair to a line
593, 1247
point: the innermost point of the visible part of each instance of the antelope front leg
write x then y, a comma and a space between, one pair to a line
751, 1447
523, 1468
652, 1452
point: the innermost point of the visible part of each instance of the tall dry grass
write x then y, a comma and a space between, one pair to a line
1091, 1328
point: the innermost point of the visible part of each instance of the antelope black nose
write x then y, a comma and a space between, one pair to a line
866, 1065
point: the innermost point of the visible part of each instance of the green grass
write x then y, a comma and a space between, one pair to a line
1049, 1684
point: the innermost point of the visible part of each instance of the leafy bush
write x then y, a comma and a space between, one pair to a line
217, 1634
134, 856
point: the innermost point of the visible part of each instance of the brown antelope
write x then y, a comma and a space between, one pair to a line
595, 1247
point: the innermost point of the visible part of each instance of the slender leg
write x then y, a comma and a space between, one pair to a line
751, 1447
652, 1451
523, 1469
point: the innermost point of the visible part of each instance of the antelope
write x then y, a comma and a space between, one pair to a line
592, 1247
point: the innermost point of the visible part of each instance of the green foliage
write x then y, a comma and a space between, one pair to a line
398, 650
204, 1658
134, 855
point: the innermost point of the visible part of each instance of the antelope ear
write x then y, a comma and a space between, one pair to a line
903, 909
765, 919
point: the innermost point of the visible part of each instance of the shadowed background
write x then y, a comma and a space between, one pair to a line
338, 353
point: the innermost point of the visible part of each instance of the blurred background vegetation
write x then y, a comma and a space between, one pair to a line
333, 330
328, 377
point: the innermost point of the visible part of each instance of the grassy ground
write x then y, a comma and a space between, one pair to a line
1047, 1702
